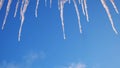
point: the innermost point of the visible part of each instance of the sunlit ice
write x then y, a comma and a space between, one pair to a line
82, 3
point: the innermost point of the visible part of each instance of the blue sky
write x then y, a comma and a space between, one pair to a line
42, 44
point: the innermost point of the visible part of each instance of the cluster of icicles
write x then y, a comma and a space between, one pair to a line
61, 3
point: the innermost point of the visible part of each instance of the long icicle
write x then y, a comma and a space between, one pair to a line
79, 1
86, 11
115, 7
36, 9
16, 8
7, 12
109, 15
1, 3
24, 6
78, 15
22, 19
82, 5
45, 3
50, 3
69, 1
61, 7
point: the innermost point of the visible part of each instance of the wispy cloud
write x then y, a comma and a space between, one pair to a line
6, 64
33, 56
78, 65
26, 62
75, 65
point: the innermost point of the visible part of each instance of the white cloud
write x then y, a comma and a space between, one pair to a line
76, 65
26, 62
33, 56
6, 64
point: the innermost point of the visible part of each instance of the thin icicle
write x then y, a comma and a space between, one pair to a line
78, 15
61, 7
86, 11
36, 9
50, 3
1, 3
69, 1
59, 4
82, 4
79, 1
24, 6
45, 3
109, 15
16, 8
115, 7
7, 12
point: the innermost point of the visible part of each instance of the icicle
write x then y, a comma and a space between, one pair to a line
36, 9
50, 3
61, 7
45, 3
1, 3
112, 1
16, 8
109, 15
24, 6
7, 12
79, 1
86, 11
69, 1
83, 9
59, 4
78, 15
